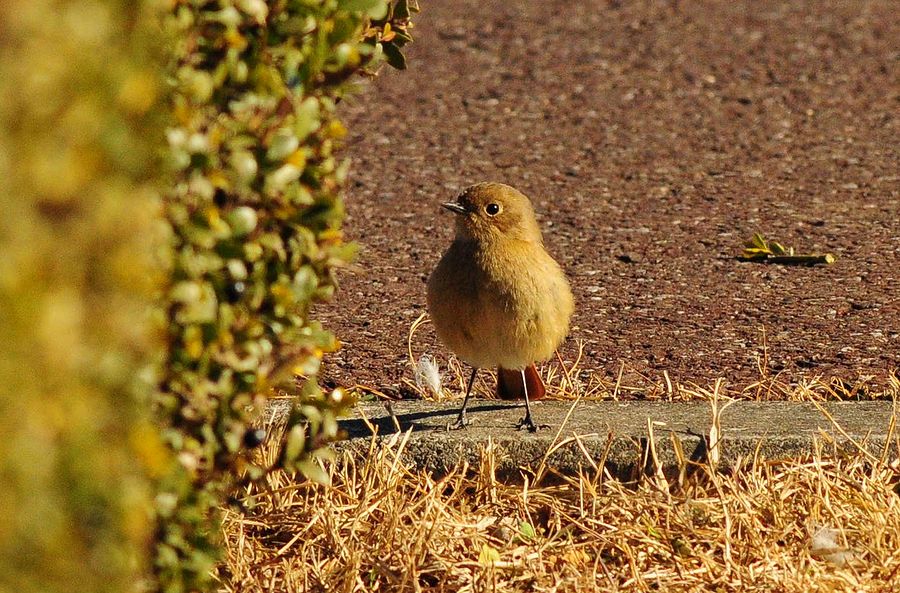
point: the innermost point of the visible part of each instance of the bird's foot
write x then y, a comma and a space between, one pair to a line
528, 423
461, 422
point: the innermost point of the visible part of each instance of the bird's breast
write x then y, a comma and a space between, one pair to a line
506, 305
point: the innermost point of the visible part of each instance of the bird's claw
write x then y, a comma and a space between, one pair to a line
461, 422
528, 423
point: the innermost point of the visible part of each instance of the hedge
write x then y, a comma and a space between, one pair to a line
255, 211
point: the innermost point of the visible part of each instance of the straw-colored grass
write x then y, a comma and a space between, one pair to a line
821, 523
817, 524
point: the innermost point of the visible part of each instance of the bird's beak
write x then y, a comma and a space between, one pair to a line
455, 207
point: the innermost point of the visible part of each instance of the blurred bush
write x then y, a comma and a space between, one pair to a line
76, 237
249, 234
255, 215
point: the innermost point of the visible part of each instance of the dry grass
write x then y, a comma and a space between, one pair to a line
822, 523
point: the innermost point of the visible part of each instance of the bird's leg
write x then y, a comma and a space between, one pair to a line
461, 420
527, 421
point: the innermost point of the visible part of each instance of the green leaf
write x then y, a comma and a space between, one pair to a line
526, 530
296, 442
284, 142
758, 242
401, 9
305, 283
242, 220
394, 56
375, 9
306, 118
777, 248
488, 556
314, 471
401, 38
325, 454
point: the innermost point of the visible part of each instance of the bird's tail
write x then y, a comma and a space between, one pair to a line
509, 384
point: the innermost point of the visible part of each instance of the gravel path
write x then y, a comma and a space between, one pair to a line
654, 139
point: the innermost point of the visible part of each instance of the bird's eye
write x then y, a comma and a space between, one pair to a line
492, 209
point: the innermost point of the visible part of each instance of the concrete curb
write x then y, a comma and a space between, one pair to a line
618, 434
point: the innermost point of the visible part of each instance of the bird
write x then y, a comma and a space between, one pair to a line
496, 297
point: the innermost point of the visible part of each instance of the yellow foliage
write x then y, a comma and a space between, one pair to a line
73, 291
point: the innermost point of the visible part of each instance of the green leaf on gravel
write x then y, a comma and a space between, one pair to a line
758, 249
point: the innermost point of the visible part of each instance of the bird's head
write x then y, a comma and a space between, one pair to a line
488, 212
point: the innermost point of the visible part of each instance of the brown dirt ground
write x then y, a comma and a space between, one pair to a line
654, 139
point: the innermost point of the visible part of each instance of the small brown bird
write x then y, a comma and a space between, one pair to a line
497, 298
